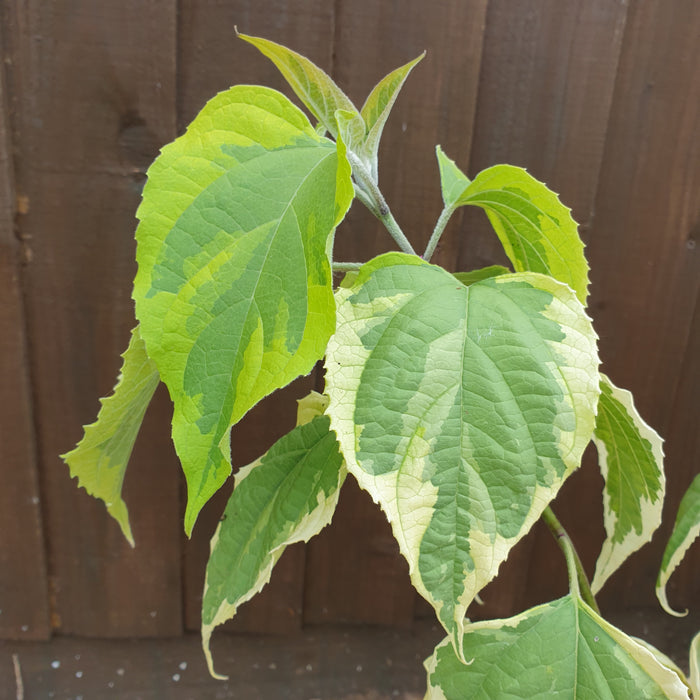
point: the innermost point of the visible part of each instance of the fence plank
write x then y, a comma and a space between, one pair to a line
546, 85
212, 59
24, 610
645, 265
93, 88
354, 571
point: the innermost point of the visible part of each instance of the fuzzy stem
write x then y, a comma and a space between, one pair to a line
369, 194
578, 581
437, 232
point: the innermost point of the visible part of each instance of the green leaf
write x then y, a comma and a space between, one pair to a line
631, 461
315, 88
453, 181
377, 108
287, 496
461, 410
559, 650
536, 230
469, 278
685, 530
234, 287
100, 458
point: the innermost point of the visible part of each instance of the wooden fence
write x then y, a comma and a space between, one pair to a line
599, 98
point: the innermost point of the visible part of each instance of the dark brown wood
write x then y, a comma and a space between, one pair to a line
645, 265
354, 570
94, 98
24, 610
546, 86
211, 59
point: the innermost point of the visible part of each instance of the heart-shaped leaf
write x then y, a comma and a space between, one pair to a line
461, 410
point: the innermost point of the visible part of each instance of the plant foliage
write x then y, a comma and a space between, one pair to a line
460, 402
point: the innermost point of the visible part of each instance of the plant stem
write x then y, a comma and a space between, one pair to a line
369, 194
437, 232
578, 581
346, 267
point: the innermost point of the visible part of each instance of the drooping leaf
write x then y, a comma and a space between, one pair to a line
233, 289
559, 650
469, 278
100, 458
313, 86
377, 108
685, 531
536, 230
631, 461
287, 496
461, 410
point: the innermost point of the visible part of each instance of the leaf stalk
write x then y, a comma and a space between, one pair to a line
437, 232
578, 581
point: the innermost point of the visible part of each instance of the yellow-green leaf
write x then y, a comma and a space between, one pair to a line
100, 459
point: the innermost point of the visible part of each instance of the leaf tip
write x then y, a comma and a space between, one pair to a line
663, 601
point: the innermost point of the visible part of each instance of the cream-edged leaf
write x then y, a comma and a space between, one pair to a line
536, 230
631, 461
287, 496
559, 650
461, 410
685, 530
100, 459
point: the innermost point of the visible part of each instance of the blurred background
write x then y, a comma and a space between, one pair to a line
598, 98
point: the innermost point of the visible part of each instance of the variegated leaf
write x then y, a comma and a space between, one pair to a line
100, 458
461, 410
685, 531
287, 496
559, 650
631, 461
234, 288
536, 230
313, 86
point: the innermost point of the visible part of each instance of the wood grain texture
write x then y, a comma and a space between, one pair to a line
211, 59
645, 265
24, 609
93, 94
354, 570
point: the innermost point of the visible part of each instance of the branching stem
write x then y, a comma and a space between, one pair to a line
369, 194
578, 581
